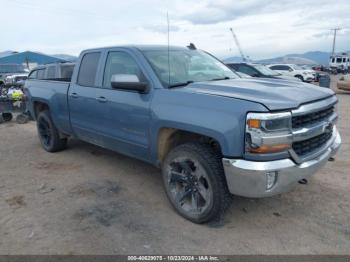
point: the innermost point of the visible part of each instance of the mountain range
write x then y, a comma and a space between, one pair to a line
308, 58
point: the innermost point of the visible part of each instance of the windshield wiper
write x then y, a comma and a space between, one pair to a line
221, 78
181, 84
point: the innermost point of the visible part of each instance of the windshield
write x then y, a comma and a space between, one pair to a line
265, 70
186, 66
12, 69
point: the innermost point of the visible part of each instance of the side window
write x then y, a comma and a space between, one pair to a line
275, 67
88, 69
120, 63
41, 74
33, 75
247, 70
333, 59
51, 72
285, 68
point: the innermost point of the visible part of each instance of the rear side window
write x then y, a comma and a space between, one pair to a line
51, 72
88, 69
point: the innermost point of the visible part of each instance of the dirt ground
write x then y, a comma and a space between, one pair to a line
87, 200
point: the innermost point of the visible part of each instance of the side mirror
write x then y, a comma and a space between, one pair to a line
290, 70
128, 82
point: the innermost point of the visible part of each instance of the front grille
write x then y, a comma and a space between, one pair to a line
311, 118
302, 148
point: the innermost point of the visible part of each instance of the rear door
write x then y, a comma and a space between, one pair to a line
83, 105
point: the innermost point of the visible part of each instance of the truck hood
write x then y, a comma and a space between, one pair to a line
274, 94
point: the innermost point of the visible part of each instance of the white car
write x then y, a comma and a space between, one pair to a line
294, 70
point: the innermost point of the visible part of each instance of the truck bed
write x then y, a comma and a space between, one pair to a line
55, 92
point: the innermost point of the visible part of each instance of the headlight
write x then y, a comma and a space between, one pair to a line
268, 132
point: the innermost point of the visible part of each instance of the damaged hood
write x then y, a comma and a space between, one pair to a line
272, 93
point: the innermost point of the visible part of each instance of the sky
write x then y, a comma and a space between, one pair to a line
264, 28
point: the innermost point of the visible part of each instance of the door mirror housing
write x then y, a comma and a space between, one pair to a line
128, 82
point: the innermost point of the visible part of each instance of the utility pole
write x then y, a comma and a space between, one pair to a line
334, 38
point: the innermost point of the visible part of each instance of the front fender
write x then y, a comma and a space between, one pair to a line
218, 117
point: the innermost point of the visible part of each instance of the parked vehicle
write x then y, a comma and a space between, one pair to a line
294, 71
212, 136
344, 83
55, 71
258, 70
340, 62
10, 69
15, 79
315, 73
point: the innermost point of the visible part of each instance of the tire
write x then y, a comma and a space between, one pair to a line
190, 172
300, 77
7, 117
48, 133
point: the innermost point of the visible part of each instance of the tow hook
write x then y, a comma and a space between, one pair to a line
303, 181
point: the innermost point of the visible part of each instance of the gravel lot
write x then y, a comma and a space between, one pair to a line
87, 200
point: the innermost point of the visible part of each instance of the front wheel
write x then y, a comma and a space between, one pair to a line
48, 133
300, 77
194, 182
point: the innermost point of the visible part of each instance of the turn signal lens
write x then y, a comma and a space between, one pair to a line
254, 123
265, 149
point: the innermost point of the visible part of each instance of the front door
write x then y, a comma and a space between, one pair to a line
121, 118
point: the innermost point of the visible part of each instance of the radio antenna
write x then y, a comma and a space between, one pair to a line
168, 27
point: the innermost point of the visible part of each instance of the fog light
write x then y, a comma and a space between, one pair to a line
271, 178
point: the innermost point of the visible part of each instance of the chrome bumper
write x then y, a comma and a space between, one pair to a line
249, 178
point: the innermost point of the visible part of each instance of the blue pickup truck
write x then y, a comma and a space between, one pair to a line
212, 133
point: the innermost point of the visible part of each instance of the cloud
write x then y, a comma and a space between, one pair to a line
162, 28
264, 28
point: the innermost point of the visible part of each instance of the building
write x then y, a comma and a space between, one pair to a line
29, 59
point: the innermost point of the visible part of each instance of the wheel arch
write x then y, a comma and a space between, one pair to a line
170, 137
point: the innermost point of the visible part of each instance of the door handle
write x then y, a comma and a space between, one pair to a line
101, 99
74, 95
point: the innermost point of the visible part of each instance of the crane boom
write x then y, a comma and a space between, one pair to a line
238, 45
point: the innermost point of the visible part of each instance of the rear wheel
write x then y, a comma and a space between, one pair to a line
7, 117
48, 133
194, 182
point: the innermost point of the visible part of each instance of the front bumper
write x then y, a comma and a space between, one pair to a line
249, 178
